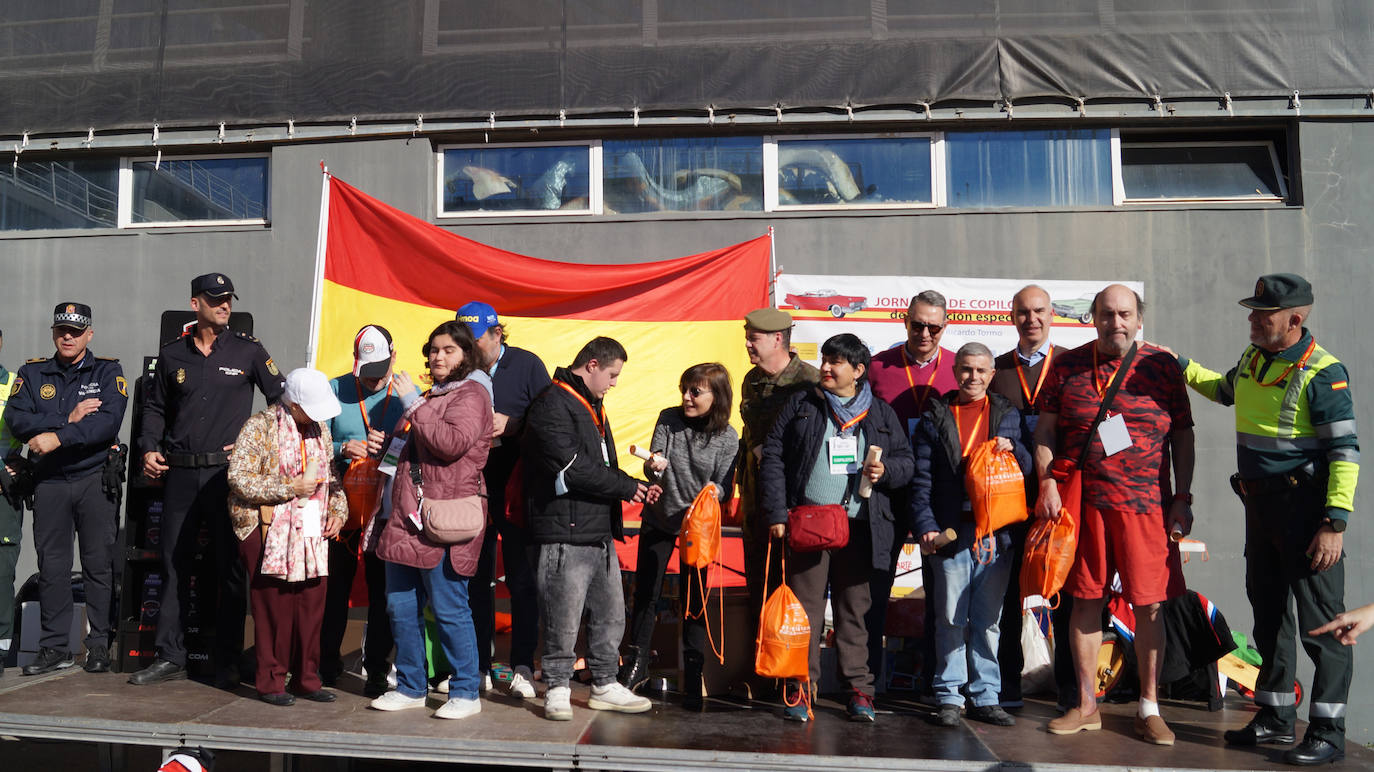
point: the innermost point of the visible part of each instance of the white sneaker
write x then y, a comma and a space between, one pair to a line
614, 696
394, 700
442, 686
486, 683
522, 684
558, 704
459, 707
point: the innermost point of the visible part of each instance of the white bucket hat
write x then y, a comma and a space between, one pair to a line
310, 390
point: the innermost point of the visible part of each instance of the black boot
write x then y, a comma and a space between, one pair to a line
692, 683
634, 669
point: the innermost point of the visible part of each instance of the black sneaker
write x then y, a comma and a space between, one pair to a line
97, 659
49, 660
948, 715
991, 714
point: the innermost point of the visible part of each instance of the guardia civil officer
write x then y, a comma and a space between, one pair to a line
200, 396
1299, 460
67, 409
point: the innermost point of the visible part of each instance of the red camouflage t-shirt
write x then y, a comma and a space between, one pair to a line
1154, 401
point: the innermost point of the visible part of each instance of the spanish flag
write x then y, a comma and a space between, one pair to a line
383, 266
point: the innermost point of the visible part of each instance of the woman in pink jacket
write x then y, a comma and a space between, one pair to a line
448, 433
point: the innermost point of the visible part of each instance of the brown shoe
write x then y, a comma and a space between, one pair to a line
1074, 721
1153, 730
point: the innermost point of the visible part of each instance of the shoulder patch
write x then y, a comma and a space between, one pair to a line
272, 367
1338, 385
122, 385
18, 384
247, 337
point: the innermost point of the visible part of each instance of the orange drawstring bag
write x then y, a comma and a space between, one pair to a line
1051, 546
783, 647
699, 548
997, 492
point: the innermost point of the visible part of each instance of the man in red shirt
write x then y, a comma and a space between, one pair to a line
908, 377
1127, 510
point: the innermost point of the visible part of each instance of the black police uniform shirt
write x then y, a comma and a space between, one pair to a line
42, 399
197, 403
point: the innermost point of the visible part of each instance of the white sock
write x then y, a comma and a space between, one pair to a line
1148, 708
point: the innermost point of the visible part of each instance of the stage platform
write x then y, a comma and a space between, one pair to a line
75, 706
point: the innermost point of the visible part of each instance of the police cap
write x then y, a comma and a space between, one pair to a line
69, 314
768, 320
1279, 290
215, 285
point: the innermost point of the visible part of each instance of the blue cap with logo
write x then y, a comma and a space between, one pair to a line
479, 317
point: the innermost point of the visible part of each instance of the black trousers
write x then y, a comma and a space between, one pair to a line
193, 496
524, 595
343, 566
655, 549
63, 509
11, 534
1278, 529
1010, 658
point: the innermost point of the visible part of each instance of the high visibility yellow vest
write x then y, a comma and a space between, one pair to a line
1277, 417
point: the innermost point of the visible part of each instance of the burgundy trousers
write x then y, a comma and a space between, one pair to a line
287, 617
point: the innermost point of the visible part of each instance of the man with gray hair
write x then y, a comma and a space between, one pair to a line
968, 577
908, 377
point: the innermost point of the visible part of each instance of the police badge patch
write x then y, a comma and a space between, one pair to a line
272, 367
181, 375
122, 385
18, 384
47, 391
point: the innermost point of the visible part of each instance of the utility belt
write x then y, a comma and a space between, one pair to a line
1304, 476
194, 460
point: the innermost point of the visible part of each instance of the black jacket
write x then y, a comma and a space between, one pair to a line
789, 455
560, 432
937, 488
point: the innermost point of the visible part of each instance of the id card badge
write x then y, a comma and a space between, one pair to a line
1112, 431
310, 519
605, 454
392, 456
844, 454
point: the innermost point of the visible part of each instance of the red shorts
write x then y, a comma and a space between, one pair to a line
1134, 544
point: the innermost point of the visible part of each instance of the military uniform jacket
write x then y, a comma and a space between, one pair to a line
198, 403
42, 399
761, 399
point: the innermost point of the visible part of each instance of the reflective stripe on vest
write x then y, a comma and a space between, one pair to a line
5, 387
1274, 418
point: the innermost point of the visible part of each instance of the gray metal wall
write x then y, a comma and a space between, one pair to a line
1195, 264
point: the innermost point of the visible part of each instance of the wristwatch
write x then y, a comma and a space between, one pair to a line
1336, 525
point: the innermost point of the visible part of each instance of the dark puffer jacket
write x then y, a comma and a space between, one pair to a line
789, 455
560, 433
937, 489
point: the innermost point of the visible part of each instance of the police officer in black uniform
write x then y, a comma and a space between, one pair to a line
68, 410
201, 394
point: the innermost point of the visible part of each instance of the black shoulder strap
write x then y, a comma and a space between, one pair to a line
1107, 398
414, 463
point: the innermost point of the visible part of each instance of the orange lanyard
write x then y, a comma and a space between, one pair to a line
977, 424
1044, 370
844, 427
600, 420
367, 425
911, 383
1301, 363
1097, 382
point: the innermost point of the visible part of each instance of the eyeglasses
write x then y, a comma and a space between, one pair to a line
696, 392
933, 329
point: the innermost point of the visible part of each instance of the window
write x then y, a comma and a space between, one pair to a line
1200, 171
1029, 168
698, 174
869, 171
59, 194
194, 191
521, 179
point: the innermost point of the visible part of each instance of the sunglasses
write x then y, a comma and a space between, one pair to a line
696, 391
933, 329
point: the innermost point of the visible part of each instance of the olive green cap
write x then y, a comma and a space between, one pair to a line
768, 320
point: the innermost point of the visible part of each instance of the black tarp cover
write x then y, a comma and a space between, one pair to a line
66, 65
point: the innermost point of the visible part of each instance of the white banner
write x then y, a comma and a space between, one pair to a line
874, 308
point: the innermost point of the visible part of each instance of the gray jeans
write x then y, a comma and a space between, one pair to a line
571, 577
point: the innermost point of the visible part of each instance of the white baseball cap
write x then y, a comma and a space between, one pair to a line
309, 389
371, 352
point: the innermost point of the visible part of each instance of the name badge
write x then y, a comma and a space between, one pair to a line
844, 454
310, 513
605, 454
1112, 431
392, 457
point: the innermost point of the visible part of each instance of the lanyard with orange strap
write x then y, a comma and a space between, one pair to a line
973, 437
1032, 396
598, 418
1298, 365
911, 382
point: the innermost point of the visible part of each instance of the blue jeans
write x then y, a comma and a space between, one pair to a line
968, 604
408, 590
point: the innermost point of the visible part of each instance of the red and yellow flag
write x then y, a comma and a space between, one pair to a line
383, 266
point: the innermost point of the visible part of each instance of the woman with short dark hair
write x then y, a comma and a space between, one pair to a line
693, 446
